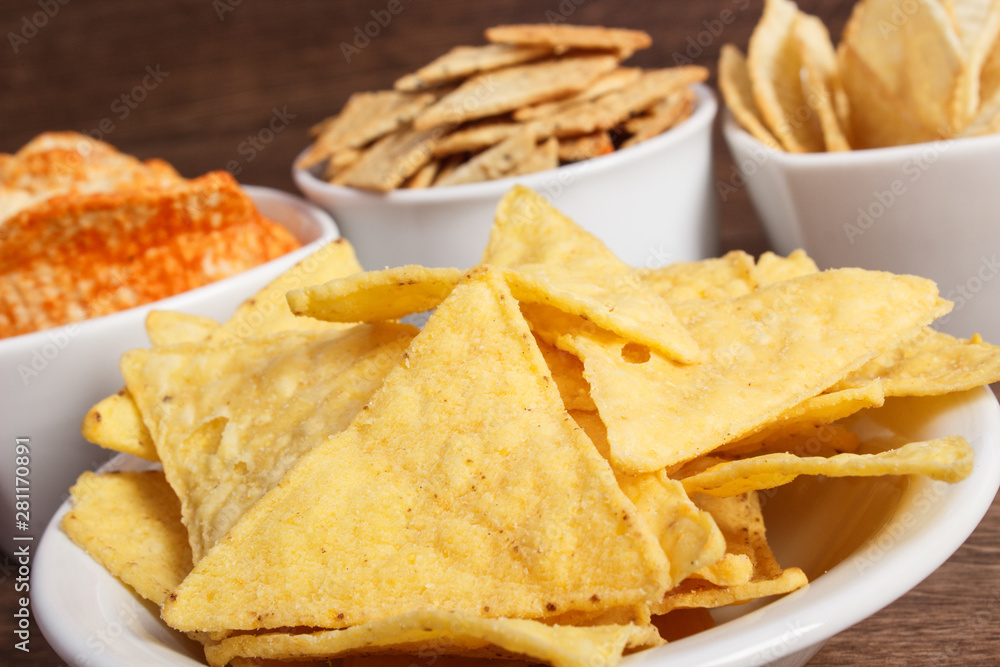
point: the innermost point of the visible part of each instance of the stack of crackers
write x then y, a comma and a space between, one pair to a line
535, 97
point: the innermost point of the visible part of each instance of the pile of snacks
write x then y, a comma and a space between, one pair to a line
567, 454
87, 231
535, 97
903, 73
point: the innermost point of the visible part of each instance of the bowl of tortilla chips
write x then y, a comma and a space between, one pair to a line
122, 233
568, 461
413, 174
874, 160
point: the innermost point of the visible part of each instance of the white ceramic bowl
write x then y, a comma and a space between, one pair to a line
51, 378
863, 542
929, 209
652, 204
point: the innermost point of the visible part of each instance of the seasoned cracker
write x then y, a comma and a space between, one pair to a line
475, 138
365, 117
464, 61
424, 176
606, 83
500, 91
564, 37
609, 110
391, 161
495, 162
545, 156
339, 161
584, 147
671, 111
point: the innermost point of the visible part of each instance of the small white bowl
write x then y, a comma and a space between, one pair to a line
863, 542
930, 209
51, 378
652, 204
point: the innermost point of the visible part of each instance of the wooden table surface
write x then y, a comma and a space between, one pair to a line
197, 81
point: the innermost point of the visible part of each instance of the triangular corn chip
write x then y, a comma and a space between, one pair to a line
742, 524
552, 260
946, 459
229, 419
803, 335
931, 364
130, 522
464, 486
440, 631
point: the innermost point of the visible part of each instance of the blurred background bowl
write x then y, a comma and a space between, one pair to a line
652, 204
930, 209
51, 378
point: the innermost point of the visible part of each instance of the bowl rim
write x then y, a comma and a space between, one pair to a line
702, 117
328, 232
737, 136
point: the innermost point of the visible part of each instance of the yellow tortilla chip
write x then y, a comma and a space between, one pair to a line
711, 279
166, 327
551, 260
115, 423
130, 522
567, 371
460, 487
931, 364
946, 459
372, 296
229, 419
442, 631
771, 268
687, 534
742, 524
803, 335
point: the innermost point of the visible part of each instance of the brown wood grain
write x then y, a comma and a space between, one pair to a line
213, 76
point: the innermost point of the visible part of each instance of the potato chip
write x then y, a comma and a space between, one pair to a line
593, 646
130, 523
464, 485
737, 90
824, 92
464, 61
503, 90
205, 407
977, 24
931, 364
946, 459
564, 36
773, 64
372, 296
802, 334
